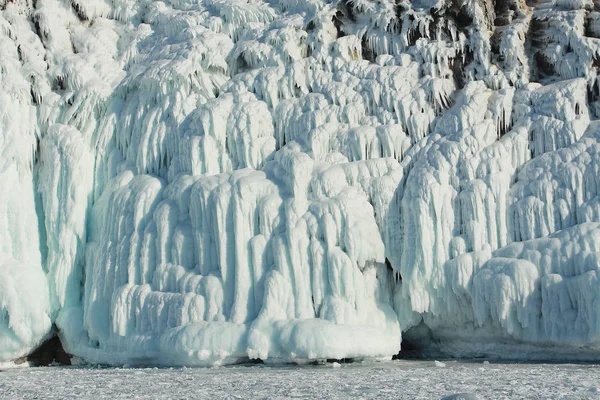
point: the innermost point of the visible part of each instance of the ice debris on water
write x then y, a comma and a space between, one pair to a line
461, 396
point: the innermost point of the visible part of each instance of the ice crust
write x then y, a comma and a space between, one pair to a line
200, 182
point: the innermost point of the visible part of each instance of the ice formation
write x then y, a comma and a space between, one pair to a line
197, 182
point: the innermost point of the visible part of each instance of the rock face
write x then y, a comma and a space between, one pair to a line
196, 182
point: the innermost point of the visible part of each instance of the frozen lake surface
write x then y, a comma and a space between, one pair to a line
387, 380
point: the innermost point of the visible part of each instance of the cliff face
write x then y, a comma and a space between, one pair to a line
191, 182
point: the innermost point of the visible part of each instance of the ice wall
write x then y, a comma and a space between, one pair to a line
25, 313
196, 182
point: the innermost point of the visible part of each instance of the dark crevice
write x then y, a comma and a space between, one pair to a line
415, 342
388, 264
401, 8
367, 52
545, 68
542, 67
460, 15
341, 360
414, 34
50, 352
79, 11
241, 65
593, 96
347, 10
588, 26
344, 12
338, 22
250, 361
458, 65
38, 30
537, 34
34, 98
505, 11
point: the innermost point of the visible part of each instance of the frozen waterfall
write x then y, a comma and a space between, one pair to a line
191, 182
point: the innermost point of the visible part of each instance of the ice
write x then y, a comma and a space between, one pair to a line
25, 318
461, 396
188, 183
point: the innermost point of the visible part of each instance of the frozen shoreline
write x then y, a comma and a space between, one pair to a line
463, 351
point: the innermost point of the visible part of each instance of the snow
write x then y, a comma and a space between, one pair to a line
189, 183
25, 305
390, 380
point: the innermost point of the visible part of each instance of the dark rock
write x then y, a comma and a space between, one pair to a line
51, 351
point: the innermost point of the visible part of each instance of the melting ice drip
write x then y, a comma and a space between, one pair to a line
191, 182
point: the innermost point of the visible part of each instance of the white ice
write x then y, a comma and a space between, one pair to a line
195, 183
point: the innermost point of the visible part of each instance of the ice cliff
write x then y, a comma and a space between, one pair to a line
201, 181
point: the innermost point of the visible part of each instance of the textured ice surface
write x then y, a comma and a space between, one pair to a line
391, 380
188, 182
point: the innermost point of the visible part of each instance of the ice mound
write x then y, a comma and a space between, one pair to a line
24, 308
